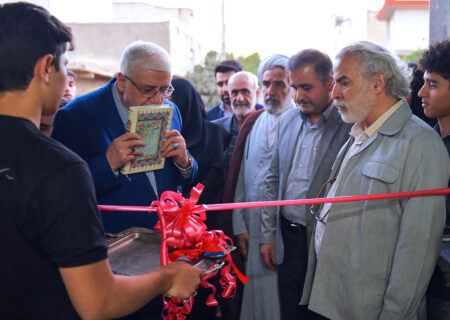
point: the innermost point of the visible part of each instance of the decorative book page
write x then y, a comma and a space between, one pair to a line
150, 123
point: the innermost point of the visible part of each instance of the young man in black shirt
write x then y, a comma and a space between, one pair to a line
54, 259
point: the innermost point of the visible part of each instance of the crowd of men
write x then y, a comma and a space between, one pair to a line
322, 130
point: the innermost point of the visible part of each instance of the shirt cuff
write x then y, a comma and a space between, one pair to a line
186, 172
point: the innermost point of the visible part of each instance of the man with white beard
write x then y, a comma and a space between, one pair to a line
307, 141
244, 90
260, 299
374, 259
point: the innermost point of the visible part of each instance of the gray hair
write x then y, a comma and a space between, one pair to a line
270, 63
146, 56
252, 79
374, 59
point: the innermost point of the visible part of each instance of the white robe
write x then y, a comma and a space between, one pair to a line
260, 299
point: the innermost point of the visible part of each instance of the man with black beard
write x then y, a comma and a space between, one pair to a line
307, 141
260, 300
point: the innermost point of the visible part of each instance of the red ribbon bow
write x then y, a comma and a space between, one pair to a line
181, 222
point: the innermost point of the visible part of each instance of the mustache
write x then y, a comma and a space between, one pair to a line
271, 98
340, 104
240, 103
302, 101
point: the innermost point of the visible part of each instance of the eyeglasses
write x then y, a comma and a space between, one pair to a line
150, 92
315, 213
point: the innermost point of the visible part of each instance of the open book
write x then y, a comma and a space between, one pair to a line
150, 123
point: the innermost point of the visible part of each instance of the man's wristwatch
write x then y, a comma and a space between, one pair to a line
189, 167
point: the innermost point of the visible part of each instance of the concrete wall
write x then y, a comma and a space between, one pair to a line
85, 85
377, 30
439, 20
408, 30
101, 44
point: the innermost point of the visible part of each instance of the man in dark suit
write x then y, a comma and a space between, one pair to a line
93, 126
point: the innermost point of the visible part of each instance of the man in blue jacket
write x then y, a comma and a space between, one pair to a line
93, 126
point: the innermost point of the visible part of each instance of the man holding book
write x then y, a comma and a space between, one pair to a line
94, 126
54, 257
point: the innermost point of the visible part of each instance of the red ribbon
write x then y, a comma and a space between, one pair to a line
262, 204
181, 222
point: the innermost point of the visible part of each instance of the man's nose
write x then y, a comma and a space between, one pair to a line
299, 95
423, 92
156, 99
271, 90
223, 89
336, 92
240, 96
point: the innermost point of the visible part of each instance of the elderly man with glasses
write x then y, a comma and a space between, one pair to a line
93, 126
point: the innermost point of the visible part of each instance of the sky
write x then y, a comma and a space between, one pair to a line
279, 26
263, 26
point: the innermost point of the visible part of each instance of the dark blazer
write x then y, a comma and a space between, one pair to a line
214, 113
88, 125
217, 113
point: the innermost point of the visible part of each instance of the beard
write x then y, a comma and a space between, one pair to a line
359, 108
226, 98
241, 109
275, 106
350, 113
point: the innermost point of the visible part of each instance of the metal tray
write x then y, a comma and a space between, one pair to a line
134, 251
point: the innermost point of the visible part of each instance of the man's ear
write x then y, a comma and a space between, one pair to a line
43, 68
378, 83
329, 83
120, 82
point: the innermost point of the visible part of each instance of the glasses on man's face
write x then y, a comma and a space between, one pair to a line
149, 91
315, 213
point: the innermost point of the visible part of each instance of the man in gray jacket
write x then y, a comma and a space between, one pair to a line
260, 300
306, 144
374, 259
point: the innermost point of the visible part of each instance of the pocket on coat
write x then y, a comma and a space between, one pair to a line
380, 171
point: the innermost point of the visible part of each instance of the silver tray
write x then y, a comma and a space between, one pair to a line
136, 251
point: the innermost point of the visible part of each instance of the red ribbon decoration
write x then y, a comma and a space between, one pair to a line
181, 222
262, 204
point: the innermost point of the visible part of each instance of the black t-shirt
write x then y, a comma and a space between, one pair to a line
48, 219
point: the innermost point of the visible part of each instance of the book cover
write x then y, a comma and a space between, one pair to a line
150, 123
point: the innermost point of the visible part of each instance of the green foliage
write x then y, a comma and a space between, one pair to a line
413, 56
202, 76
251, 62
